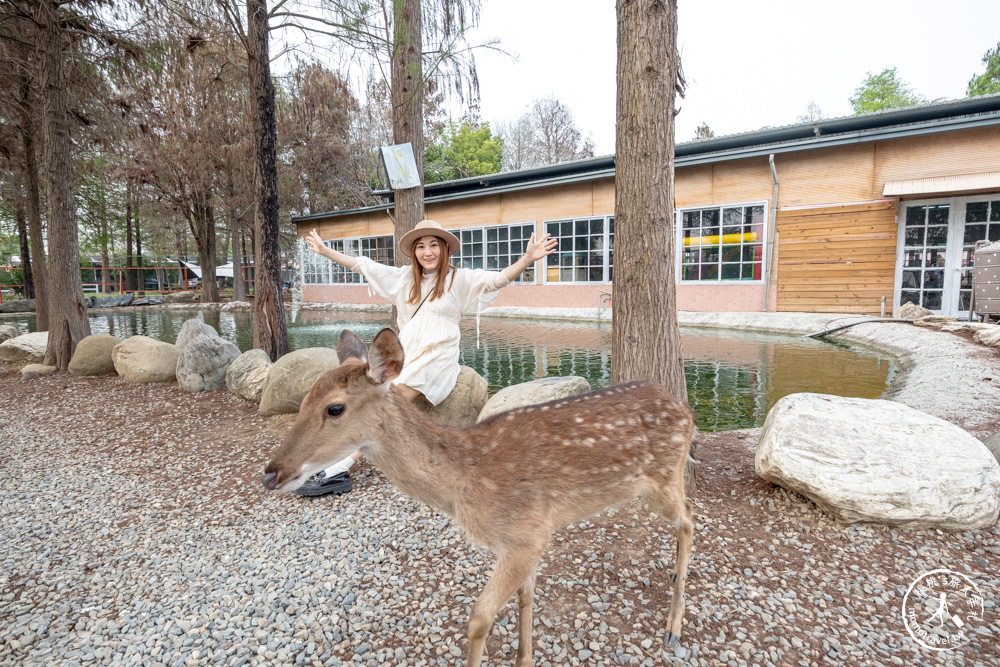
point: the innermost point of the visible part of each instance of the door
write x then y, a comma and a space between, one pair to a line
937, 239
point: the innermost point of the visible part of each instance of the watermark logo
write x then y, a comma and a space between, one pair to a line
940, 608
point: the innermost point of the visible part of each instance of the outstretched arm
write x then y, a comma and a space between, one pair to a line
315, 244
534, 252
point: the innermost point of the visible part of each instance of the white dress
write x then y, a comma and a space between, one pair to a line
431, 338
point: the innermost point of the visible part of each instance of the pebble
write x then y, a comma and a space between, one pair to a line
133, 532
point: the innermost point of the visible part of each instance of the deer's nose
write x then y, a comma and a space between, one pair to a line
270, 480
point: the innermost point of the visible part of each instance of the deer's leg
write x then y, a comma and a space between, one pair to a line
525, 604
513, 569
685, 531
669, 502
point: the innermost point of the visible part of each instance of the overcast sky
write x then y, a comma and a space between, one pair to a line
749, 63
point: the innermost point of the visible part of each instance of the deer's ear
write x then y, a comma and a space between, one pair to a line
385, 358
350, 346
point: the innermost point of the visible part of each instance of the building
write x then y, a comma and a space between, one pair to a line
845, 215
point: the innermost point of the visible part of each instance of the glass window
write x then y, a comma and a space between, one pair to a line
494, 248
318, 270
722, 243
585, 250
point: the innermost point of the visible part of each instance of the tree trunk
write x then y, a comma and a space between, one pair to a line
239, 287
68, 322
33, 200
270, 332
645, 340
407, 110
130, 278
204, 230
22, 240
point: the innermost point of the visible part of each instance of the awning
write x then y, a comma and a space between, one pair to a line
989, 180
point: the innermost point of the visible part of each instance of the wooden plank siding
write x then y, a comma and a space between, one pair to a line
836, 259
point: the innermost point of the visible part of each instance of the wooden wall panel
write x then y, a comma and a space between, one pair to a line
837, 259
972, 151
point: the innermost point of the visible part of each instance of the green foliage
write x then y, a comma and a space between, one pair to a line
883, 91
12, 277
989, 81
461, 150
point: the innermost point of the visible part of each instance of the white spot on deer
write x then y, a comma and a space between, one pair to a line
579, 420
620, 422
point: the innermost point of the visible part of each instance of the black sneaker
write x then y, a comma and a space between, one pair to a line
321, 484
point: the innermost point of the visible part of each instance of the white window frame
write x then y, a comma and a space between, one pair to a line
956, 254
760, 243
478, 251
571, 247
327, 272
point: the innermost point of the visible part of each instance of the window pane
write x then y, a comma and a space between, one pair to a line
911, 280
933, 279
709, 271
730, 271
914, 236
581, 227
597, 227
974, 233
503, 233
937, 236
976, 211
994, 233
731, 253
932, 300
491, 233
915, 216
995, 211
937, 215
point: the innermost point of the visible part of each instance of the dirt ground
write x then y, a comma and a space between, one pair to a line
746, 528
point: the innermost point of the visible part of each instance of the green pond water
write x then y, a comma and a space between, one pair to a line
733, 377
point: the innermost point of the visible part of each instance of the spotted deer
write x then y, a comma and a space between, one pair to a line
510, 480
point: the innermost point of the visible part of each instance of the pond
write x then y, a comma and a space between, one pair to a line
733, 377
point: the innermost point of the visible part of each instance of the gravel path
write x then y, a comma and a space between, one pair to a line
134, 531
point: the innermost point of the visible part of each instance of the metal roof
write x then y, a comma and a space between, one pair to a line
930, 118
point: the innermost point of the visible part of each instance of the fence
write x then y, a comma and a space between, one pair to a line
156, 279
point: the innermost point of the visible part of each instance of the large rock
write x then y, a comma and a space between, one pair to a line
7, 332
993, 444
18, 306
292, 376
533, 393
990, 336
237, 305
910, 311
934, 320
246, 375
93, 355
463, 404
879, 461
25, 349
202, 357
142, 359
181, 297
35, 371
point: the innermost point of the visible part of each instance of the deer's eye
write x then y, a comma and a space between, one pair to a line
335, 410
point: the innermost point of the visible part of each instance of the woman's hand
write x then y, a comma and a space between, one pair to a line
314, 242
542, 248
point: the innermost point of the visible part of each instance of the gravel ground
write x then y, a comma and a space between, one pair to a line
134, 530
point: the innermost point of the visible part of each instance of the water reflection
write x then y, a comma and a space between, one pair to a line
733, 377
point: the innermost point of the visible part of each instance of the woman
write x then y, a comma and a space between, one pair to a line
430, 296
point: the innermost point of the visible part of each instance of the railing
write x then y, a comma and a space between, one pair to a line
603, 300
171, 279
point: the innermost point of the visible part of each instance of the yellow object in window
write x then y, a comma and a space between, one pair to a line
746, 237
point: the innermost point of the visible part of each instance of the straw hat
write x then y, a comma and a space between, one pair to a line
428, 228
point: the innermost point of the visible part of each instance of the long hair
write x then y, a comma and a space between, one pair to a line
443, 272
